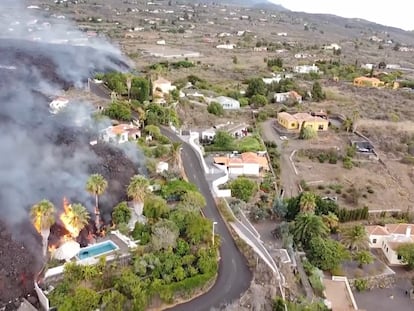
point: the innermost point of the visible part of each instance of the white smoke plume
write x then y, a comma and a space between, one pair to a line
42, 54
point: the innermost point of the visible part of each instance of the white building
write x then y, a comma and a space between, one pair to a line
226, 46
306, 69
367, 66
282, 34
276, 79
161, 167
120, 133
161, 42
389, 238
283, 97
227, 102
162, 85
237, 130
248, 163
332, 46
392, 66
58, 104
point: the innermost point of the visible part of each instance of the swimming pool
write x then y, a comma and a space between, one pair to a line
97, 250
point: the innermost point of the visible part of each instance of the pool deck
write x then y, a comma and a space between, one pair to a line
123, 247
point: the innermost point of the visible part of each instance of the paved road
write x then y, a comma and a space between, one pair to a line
234, 275
289, 179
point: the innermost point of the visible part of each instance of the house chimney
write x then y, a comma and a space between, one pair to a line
408, 232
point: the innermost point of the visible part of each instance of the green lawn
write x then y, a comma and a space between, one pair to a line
249, 143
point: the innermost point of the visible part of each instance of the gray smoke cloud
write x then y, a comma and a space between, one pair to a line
40, 55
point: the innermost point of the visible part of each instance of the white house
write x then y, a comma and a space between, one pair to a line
367, 66
248, 163
226, 46
276, 78
161, 42
120, 133
282, 34
389, 237
237, 130
283, 97
392, 66
332, 46
58, 104
227, 102
306, 69
162, 85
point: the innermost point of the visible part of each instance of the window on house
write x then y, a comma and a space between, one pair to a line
374, 241
399, 257
292, 124
387, 249
320, 127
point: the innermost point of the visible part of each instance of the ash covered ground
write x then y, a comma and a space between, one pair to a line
44, 155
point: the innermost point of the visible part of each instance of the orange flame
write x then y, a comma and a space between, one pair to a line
66, 217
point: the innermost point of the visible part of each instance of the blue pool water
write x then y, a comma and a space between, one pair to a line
97, 249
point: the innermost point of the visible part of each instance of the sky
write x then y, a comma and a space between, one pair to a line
396, 13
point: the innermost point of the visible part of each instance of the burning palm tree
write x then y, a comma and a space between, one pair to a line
138, 190
96, 185
75, 217
43, 217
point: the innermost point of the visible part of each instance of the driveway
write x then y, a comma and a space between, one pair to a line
288, 177
234, 275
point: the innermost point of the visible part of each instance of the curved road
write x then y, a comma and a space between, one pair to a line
234, 275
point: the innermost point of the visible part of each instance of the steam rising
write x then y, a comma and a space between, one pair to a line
40, 55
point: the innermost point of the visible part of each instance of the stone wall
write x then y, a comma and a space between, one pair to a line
379, 281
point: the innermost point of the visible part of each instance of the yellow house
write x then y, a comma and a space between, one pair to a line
370, 82
296, 121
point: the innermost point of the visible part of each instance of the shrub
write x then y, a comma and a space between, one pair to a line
361, 285
215, 108
347, 163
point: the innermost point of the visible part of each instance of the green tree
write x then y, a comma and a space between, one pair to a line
121, 214
224, 141
406, 251
164, 235
77, 217
307, 202
347, 124
306, 227
137, 190
113, 301
363, 258
275, 62
354, 238
140, 89
193, 201
153, 130
116, 81
132, 287
83, 299
317, 92
331, 220
215, 108
258, 100
96, 185
155, 207
199, 230
43, 217
174, 189
326, 254
256, 86
118, 111
307, 132
243, 188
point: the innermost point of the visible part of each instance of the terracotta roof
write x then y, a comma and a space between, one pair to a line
246, 157
399, 228
300, 117
376, 230
121, 128
286, 116
295, 94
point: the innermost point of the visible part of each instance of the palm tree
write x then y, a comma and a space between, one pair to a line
96, 185
307, 202
43, 217
331, 220
137, 190
308, 226
175, 152
347, 124
129, 84
354, 238
78, 218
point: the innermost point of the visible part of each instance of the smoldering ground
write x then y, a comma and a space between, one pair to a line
42, 155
